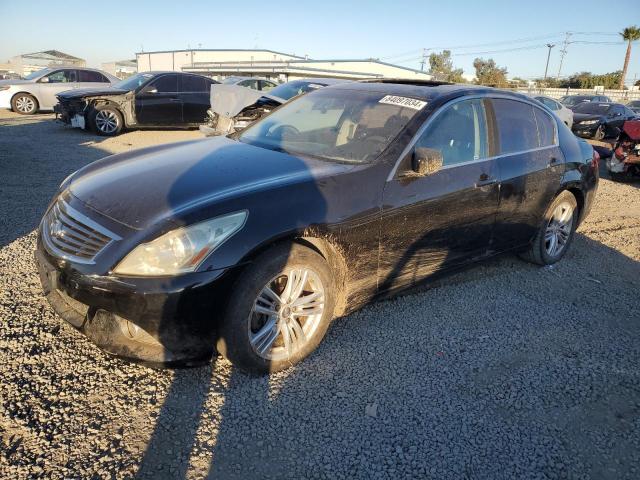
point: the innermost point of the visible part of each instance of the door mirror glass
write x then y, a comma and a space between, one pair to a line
44, 80
426, 161
151, 90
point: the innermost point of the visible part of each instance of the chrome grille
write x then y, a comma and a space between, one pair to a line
69, 234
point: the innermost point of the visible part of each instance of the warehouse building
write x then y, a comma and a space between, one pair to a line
121, 68
31, 62
273, 65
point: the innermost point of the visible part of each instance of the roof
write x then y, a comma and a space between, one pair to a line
223, 50
52, 53
421, 89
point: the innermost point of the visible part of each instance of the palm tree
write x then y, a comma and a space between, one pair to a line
630, 34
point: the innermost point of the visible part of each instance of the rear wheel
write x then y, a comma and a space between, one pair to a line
106, 120
24, 104
556, 231
279, 310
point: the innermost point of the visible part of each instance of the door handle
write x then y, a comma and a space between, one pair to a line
485, 180
174, 99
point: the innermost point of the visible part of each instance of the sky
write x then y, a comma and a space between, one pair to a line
393, 31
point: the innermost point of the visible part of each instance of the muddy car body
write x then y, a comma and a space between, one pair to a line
252, 243
145, 100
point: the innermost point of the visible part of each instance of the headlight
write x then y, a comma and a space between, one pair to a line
589, 122
180, 250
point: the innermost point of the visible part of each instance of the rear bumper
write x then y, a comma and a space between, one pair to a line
158, 322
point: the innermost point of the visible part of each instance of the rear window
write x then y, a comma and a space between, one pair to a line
517, 126
89, 76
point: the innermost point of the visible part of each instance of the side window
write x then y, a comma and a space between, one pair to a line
546, 130
266, 86
193, 84
166, 84
459, 133
249, 84
516, 125
63, 76
89, 76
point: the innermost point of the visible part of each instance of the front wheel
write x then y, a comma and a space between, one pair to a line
556, 231
24, 104
279, 310
106, 120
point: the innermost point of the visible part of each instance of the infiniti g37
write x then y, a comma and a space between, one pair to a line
250, 245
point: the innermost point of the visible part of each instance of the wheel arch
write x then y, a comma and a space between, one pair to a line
31, 94
106, 102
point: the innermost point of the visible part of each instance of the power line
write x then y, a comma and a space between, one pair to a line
563, 52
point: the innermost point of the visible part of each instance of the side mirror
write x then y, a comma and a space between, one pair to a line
426, 161
44, 80
151, 90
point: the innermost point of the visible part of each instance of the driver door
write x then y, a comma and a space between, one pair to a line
440, 220
159, 102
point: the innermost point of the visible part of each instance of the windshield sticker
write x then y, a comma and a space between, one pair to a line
403, 102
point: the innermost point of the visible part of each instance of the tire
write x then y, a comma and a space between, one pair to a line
106, 120
24, 104
242, 333
541, 251
600, 133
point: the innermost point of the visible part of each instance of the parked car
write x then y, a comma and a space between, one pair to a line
144, 100
573, 100
600, 120
634, 106
253, 83
37, 92
233, 108
556, 107
255, 241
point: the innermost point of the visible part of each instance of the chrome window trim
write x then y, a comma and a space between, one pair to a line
492, 95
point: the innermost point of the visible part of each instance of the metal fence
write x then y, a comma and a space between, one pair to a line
620, 96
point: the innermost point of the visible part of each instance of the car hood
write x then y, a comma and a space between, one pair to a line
143, 187
90, 92
580, 117
15, 82
229, 100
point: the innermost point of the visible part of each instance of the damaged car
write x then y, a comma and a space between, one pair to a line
233, 108
250, 244
600, 120
144, 100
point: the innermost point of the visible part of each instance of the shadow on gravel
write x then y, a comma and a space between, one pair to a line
36, 155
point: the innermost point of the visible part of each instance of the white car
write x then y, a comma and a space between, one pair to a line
556, 107
37, 92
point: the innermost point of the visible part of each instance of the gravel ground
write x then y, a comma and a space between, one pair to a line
499, 372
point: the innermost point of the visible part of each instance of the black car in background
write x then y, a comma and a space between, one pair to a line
144, 100
571, 101
600, 120
254, 242
634, 106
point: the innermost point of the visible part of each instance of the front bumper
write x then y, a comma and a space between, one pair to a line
158, 322
5, 98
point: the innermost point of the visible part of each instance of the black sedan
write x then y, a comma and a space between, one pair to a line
634, 106
600, 120
150, 99
253, 243
571, 101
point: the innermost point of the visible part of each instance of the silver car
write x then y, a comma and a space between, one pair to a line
37, 91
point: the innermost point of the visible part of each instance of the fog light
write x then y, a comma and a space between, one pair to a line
133, 332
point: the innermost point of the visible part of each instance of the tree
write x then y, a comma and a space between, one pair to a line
589, 80
441, 68
630, 34
488, 73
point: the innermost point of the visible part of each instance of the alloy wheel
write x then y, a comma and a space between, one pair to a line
25, 104
106, 121
558, 229
286, 314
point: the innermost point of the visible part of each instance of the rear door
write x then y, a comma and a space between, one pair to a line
435, 222
531, 165
56, 82
195, 96
159, 103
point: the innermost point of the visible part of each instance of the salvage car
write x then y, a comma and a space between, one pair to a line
37, 91
144, 100
252, 243
556, 107
600, 120
234, 108
634, 106
254, 83
571, 101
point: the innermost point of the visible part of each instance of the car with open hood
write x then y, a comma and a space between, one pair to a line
600, 120
144, 100
37, 91
250, 244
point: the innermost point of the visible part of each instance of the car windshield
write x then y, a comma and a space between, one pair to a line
592, 107
293, 89
335, 124
39, 73
133, 81
575, 100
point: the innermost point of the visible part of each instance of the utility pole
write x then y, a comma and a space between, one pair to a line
546, 68
424, 59
563, 52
